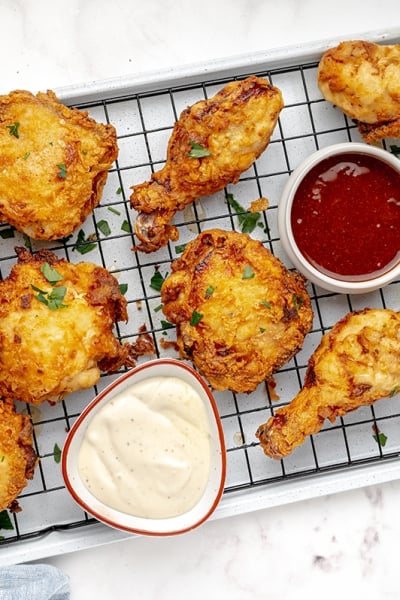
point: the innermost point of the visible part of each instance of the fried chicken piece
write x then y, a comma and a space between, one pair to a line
18, 458
363, 79
54, 162
56, 327
233, 128
240, 314
356, 363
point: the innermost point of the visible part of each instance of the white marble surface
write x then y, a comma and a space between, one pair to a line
339, 544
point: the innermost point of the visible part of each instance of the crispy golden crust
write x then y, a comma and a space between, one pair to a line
235, 126
363, 79
356, 363
46, 354
18, 459
51, 175
254, 312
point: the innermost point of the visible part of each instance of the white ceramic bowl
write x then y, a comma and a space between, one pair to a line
133, 524
300, 262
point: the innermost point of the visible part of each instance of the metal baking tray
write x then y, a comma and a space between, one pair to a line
344, 455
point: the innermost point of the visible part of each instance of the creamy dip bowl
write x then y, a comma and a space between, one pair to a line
147, 455
339, 218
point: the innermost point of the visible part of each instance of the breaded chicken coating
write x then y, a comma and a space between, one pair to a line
54, 162
363, 79
212, 143
356, 363
18, 458
56, 327
240, 315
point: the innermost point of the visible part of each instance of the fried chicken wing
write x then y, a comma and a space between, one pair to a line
212, 143
356, 363
54, 162
18, 458
56, 327
363, 79
240, 314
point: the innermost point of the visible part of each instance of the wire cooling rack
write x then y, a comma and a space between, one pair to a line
144, 123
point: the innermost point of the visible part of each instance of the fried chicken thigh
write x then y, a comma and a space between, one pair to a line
363, 79
18, 459
56, 327
356, 363
54, 162
240, 314
212, 143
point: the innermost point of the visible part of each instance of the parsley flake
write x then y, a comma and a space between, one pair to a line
198, 151
180, 248
394, 149
51, 274
123, 288
380, 438
166, 324
113, 210
57, 453
248, 273
209, 291
62, 171
156, 281
247, 220
266, 304
5, 521
83, 244
297, 301
26, 155
104, 227
13, 129
126, 227
394, 391
196, 318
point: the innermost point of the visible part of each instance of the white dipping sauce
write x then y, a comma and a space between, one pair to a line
147, 451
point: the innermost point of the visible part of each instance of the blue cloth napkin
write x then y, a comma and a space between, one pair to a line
33, 582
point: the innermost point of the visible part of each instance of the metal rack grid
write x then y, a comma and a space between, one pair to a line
144, 123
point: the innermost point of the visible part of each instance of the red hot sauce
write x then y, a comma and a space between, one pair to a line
346, 216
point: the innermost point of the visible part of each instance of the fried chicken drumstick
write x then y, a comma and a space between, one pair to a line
212, 143
356, 363
363, 79
240, 314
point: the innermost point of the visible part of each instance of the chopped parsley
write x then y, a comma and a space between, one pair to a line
394, 391
180, 248
297, 301
51, 274
57, 453
158, 308
123, 288
119, 191
53, 299
198, 151
13, 129
266, 304
248, 272
209, 291
126, 227
27, 241
84, 245
156, 281
5, 521
114, 210
166, 324
8, 233
104, 227
395, 150
196, 318
26, 155
380, 438
62, 171
247, 220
